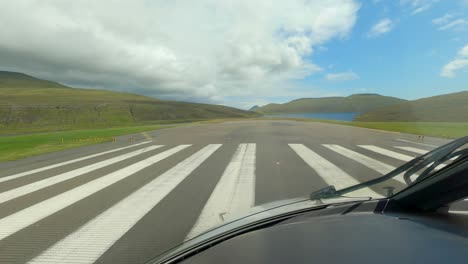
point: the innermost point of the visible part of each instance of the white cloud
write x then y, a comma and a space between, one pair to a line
450, 21
450, 68
204, 50
342, 76
458, 23
461, 61
381, 27
463, 52
417, 6
443, 19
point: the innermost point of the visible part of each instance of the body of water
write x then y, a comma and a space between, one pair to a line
329, 116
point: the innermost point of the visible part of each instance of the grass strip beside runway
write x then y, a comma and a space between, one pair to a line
20, 146
434, 129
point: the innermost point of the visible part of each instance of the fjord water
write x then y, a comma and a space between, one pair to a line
328, 116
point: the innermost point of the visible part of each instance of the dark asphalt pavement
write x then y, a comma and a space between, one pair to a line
129, 200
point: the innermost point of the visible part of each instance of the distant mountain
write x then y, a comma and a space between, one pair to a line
26, 101
253, 108
353, 103
442, 108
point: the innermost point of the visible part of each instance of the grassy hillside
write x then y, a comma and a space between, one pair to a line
254, 108
28, 103
353, 103
20, 80
443, 108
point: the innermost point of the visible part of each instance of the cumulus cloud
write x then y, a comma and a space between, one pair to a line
450, 68
342, 76
463, 52
202, 50
417, 6
460, 62
450, 21
383, 26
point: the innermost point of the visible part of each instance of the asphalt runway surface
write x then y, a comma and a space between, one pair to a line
130, 200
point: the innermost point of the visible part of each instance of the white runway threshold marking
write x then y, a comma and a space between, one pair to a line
397, 155
419, 143
373, 164
28, 216
414, 150
90, 241
386, 152
35, 186
234, 193
329, 172
21, 174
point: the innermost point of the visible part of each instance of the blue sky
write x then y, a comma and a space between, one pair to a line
405, 62
241, 52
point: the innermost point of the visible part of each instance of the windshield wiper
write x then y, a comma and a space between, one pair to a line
431, 160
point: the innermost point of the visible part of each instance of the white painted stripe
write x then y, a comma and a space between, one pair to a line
414, 150
419, 151
373, 164
90, 241
234, 193
422, 144
330, 173
395, 155
364, 160
422, 152
459, 212
21, 174
35, 186
387, 152
28, 216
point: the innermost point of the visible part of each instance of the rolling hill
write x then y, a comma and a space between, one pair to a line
442, 108
20, 80
353, 103
28, 102
253, 108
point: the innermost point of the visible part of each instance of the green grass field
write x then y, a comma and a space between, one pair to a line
434, 129
24, 145
53, 129
21, 146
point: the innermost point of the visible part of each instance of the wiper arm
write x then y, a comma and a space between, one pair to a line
330, 191
461, 154
436, 157
433, 158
